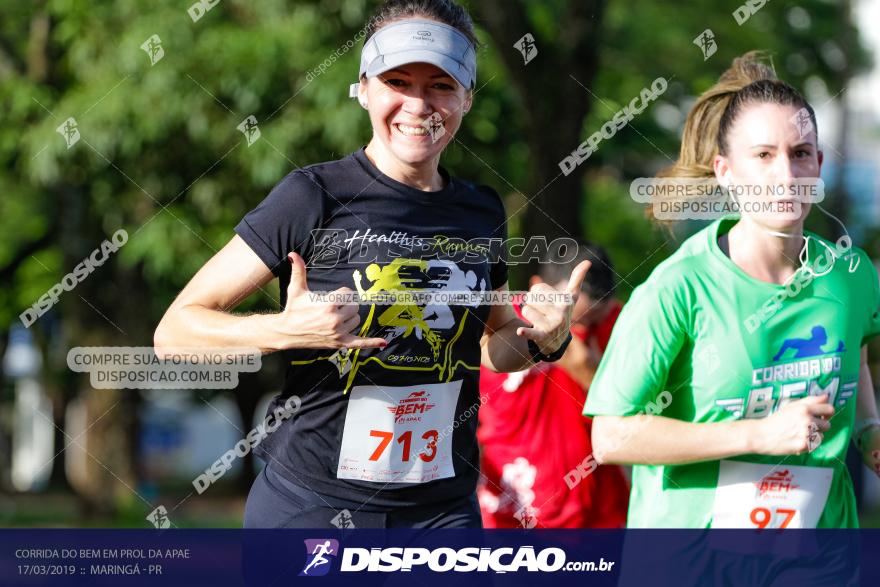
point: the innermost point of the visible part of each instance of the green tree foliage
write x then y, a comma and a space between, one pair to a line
160, 154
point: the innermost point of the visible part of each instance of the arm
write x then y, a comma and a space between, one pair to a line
658, 440
504, 344
866, 402
866, 409
501, 350
200, 315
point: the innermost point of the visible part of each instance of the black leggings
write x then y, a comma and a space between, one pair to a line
274, 502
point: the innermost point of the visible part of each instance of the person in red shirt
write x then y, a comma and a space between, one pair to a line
536, 457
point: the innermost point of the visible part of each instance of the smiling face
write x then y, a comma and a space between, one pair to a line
400, 101
765, 147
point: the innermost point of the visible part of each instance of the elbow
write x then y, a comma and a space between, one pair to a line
488, 364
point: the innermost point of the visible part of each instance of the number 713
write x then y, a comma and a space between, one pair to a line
406, 440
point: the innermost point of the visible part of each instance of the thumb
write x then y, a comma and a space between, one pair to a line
577, 277
298, 284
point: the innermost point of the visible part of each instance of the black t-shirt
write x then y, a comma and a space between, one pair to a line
395, 426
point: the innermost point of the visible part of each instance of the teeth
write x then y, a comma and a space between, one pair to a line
412, 130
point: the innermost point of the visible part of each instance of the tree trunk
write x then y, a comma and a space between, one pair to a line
555, 104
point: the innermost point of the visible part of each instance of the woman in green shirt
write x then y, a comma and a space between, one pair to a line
736, 375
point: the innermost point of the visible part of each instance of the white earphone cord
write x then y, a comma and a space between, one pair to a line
804, 255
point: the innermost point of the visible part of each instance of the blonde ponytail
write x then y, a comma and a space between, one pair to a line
699, 141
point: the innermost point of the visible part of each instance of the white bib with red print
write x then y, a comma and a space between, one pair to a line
399, 434
751, 495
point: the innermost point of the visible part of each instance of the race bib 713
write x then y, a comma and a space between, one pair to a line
399, 434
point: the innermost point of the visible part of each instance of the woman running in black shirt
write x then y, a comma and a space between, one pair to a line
385, 436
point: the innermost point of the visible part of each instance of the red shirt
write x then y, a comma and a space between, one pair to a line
533, 438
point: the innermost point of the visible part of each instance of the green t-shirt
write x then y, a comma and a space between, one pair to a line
727, 346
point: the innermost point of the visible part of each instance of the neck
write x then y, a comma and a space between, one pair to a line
766, 255
423, 176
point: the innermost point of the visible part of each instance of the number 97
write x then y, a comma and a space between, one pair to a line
762, 517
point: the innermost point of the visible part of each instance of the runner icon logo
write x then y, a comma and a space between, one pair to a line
320, 553
409, 408
776, 484
808, 366
343, 520
808, 347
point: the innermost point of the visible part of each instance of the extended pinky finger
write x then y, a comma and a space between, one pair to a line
529, 333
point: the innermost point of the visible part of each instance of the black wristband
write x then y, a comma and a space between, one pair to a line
537, 355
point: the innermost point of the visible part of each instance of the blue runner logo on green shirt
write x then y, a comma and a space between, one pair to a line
809, 371
808, 347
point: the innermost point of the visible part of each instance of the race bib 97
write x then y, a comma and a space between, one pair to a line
751, 495
399, 434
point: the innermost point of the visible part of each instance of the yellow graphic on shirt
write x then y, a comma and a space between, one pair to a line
405, 319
